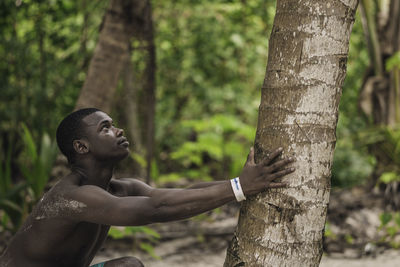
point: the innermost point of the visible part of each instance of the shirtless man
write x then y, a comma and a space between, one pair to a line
70, 223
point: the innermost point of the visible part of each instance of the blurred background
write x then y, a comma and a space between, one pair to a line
187, 95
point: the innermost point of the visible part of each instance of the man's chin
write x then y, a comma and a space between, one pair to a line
121, 155
126, 154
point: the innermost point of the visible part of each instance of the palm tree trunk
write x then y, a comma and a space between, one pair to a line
107, 61
299, 110
122, 20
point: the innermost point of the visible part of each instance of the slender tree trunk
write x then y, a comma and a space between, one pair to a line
150, 89
131, 113
123, 19
299, 110
107, 61
380, 96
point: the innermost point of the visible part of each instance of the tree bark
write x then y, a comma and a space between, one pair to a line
299, 109
123, 19
150, 92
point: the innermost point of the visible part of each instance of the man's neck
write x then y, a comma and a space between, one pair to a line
93, 173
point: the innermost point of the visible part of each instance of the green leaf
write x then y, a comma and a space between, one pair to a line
397, 218
7, 204
391, 230
393, 62
389, 177
139, 159
150, 250
29, 143
150, 232
385, 218
116, 232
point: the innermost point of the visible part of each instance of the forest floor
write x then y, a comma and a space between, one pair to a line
353, 238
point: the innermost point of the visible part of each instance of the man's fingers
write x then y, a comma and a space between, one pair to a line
279, 164
277, 185
272, 156
281, 173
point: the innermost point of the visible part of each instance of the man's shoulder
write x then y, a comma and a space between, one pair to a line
63, 200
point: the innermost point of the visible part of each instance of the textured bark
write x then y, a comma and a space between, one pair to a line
123, 19
299, 109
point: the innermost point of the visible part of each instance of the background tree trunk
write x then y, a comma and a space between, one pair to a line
299, 110
131, 114
150, 93
123, 19
380, 97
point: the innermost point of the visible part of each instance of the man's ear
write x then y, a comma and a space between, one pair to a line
81, 146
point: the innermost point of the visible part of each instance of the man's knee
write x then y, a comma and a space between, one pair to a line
124, 262
132, 261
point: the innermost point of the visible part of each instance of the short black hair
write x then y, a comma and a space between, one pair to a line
70, 129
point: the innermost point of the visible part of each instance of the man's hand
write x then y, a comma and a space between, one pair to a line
258, 177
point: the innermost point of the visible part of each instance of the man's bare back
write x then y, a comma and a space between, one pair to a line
70, 223
51, 233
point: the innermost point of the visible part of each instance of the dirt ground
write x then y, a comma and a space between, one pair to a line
198, 258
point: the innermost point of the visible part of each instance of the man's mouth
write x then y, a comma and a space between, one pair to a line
123, 142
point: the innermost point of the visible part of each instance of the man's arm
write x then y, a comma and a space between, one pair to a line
134, 187
161, 205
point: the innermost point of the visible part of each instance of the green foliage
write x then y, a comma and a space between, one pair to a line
122, 232
11, 198
130, 231
357, 64
349, 239
390, 227
393, 62
352, 165
45, 47
36, 165
221, 140
17, 199
387, 141
211, 60
328, 232
149, 248
389, 177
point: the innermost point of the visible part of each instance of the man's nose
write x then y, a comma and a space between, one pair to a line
120, 132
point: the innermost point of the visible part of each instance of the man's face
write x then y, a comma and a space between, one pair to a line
106, 142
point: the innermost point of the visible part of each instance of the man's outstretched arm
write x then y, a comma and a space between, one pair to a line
135, 187
173, 204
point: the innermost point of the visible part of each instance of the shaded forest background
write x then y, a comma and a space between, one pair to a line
209, 61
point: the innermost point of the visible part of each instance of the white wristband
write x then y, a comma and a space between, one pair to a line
237, 189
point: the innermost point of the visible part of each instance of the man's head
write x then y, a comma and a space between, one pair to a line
90, 130
70, 129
